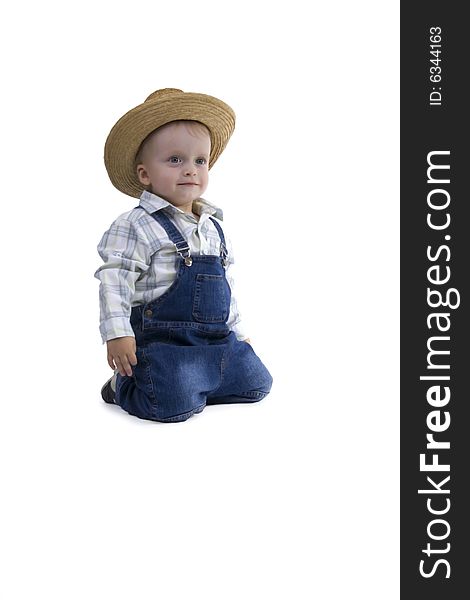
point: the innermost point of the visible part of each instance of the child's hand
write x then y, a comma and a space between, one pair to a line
121, 354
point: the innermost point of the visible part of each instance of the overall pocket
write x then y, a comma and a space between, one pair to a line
211, 302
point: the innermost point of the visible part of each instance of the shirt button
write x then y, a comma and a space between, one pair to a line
148, 313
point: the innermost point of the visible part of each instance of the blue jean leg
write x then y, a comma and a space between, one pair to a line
169, 383
244, 377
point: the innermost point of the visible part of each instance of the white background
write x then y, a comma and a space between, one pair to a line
292, 497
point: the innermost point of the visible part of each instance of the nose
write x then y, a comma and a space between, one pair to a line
190, 169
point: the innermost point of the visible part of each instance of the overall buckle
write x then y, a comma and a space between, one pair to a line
184, 252
223, 254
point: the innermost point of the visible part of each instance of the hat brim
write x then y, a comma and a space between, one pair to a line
131, 129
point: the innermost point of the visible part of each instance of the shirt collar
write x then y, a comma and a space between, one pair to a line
151, 203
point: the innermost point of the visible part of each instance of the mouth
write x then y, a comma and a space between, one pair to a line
187, 184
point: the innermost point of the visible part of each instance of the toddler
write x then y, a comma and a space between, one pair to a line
167, 310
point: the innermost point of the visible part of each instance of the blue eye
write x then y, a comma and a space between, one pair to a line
176, 160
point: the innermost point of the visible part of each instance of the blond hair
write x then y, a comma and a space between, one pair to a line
196, 128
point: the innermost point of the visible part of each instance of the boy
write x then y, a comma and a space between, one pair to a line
168, 314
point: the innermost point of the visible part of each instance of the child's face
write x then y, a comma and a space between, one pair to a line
175, 164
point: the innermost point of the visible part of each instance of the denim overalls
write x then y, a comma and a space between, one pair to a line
187, 357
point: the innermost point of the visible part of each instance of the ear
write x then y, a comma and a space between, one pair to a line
142, 174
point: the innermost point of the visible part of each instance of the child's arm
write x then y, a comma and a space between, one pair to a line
234, 321
126, 255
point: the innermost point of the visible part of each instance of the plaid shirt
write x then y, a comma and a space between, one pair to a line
140, 261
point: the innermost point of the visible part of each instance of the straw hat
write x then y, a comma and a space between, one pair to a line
161, 107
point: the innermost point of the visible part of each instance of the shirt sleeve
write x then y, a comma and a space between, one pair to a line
126, 255
234, 321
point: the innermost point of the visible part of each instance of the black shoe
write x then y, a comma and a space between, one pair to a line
107, 393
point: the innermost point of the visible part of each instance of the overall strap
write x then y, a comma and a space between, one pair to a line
223, 247
182, 246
